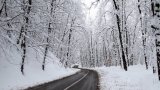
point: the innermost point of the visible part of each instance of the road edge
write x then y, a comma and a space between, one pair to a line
98, 76
51, 81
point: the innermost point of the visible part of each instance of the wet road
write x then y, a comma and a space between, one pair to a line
83, 80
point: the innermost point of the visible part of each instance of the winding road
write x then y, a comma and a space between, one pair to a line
83, 80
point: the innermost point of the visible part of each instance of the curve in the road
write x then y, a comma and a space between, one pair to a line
83, 80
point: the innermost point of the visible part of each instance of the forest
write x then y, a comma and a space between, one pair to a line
102, 33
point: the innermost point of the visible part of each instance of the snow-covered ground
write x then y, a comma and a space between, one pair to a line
136, 78
11, 77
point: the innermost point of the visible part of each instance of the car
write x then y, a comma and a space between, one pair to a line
75, 66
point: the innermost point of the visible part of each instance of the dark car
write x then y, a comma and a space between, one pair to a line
75, 66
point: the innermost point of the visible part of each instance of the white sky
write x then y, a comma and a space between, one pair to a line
90, 13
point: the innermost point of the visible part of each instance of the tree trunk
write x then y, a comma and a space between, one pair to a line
143, 30
158, 55
48, 37
156, 28
120, 36
23, 33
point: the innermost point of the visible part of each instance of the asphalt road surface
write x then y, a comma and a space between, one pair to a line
83, 80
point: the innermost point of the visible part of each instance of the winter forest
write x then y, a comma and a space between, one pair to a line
90, 33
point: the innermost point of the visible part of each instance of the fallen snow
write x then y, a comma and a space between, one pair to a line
136, 78
11, 77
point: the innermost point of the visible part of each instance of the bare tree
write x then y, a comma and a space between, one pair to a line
24, 29
155, 7
116, 6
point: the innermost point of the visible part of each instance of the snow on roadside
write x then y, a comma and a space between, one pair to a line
136, 78
12, 79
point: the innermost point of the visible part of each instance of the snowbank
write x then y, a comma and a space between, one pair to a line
11, 77
136, 78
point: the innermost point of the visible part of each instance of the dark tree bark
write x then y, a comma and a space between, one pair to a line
48, 37
120, 36
3, 7
155, 14
69, 42
152, 7
22, 37
158, 54
46, 48
143, 33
